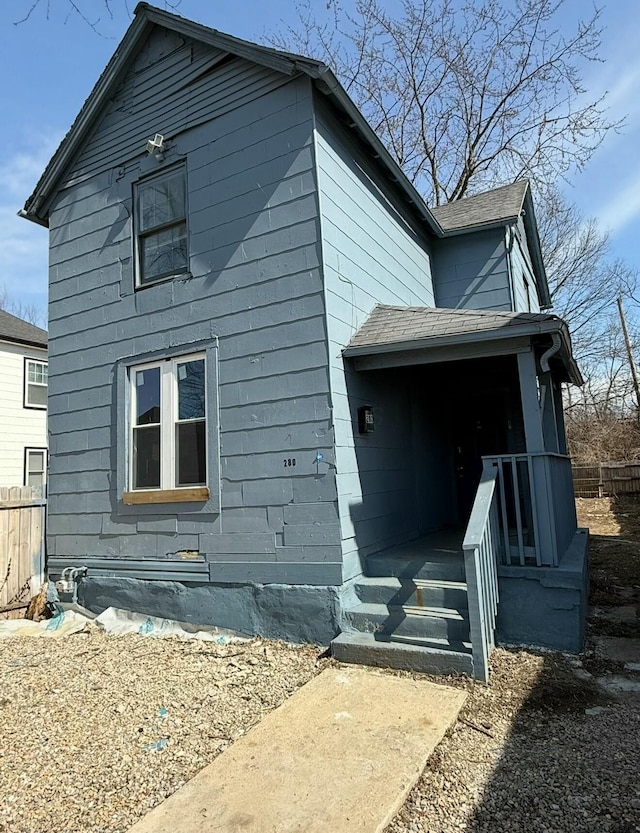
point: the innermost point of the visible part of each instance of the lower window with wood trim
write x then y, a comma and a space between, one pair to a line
168, 431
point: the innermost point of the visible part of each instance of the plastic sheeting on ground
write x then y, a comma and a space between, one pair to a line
73, 619
116, 621
65, 622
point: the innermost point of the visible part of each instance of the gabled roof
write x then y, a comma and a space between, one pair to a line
501, 205
471, 214
146, 17
393, 329
18, 331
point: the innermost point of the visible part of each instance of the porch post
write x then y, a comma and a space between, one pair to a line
530, 403
562, 430
539, 473
549, 424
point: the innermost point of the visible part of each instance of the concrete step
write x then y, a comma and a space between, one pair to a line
415, 592
430, 657
432, 567
406, 620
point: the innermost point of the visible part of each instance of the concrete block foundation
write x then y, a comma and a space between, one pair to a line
294, 613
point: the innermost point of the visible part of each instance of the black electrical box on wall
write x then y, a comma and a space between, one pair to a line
365, 419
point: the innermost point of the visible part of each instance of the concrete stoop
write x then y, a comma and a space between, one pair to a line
415, 655
408, 613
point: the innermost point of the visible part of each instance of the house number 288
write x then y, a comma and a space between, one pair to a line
289, 461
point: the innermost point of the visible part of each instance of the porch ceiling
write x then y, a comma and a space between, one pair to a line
396, 336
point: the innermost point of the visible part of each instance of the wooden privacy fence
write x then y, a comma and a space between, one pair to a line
610, 479
22, 551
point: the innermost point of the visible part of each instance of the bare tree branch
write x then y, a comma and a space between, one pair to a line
27, 312
84, 9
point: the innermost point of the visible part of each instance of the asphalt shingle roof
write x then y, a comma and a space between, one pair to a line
21, 332
396, 325
495, 206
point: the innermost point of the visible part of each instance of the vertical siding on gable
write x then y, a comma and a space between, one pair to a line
370, 255
471, 271
255, 284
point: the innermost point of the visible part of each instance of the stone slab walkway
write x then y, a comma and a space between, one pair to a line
338, 756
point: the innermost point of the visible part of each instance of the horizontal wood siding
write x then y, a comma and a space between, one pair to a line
471, 272
20, 427
371, 254
173, 86
255, 286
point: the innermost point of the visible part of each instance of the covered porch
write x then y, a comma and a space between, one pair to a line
491, 476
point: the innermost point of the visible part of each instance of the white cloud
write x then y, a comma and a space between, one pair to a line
23, 245
623, 208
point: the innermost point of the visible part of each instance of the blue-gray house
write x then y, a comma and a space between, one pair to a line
282, 391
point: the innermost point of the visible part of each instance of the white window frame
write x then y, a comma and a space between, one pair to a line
168, 421
140, 283
27, 471
27, 384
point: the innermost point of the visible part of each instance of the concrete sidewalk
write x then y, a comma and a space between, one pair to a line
340, 755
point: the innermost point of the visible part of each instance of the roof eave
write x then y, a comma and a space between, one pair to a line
145, 18
488, 226
84, 120
496, 334
24, 342
535, 250
555, 325
328, 84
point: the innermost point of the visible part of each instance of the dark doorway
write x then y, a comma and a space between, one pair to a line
479, 400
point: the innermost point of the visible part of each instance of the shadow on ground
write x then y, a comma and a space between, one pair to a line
615, 564
571, 761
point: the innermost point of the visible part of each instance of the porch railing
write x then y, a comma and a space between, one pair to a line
483, 547
537, 506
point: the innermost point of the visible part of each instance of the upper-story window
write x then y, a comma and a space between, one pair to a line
161, 226
35, 383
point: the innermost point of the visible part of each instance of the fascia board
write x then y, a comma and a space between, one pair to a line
495, 334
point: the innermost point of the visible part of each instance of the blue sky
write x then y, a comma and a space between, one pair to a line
48, 67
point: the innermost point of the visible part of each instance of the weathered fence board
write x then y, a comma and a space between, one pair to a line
607, 479
22, 551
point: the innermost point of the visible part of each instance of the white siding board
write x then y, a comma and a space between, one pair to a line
20, 427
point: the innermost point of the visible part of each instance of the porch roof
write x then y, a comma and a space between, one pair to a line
391, 329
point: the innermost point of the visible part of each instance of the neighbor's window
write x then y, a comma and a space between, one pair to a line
35, 383
168, 424
35, 467
161, 226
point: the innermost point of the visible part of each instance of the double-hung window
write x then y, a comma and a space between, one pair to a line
161, 226
35, 467
35, 383
168, 425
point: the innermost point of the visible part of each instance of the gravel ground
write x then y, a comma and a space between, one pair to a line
543, 748
526, 756
95, 730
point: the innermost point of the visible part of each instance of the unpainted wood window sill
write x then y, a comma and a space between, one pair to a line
189, 495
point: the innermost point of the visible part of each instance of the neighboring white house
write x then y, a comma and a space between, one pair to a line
23, 402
